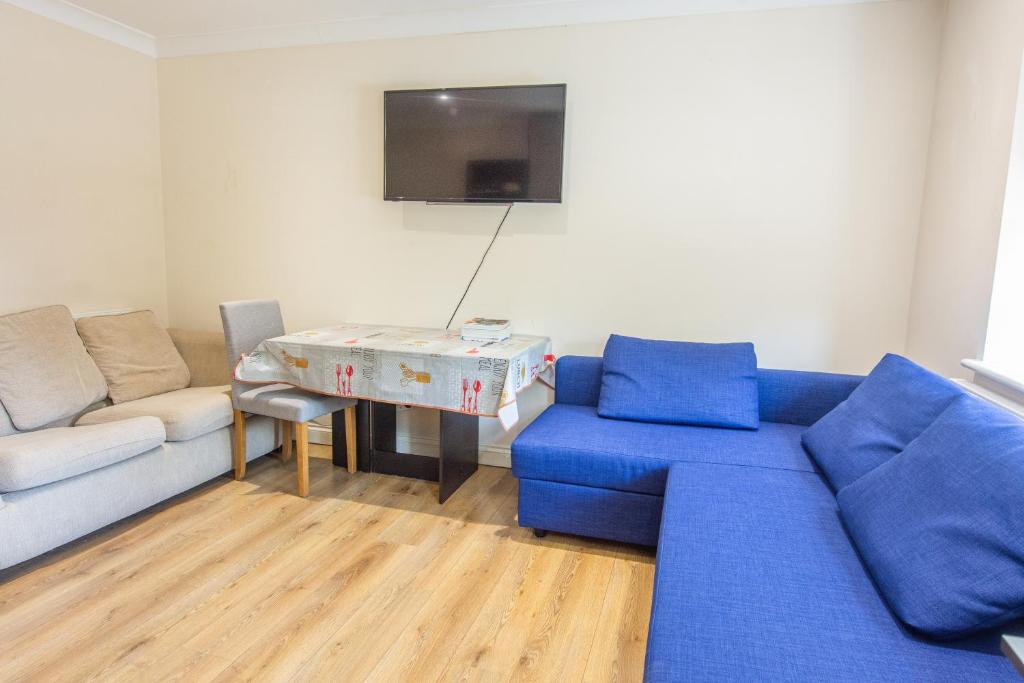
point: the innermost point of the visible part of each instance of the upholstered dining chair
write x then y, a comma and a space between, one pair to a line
246, 324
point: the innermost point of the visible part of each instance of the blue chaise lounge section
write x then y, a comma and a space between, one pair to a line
756, 577
756, 580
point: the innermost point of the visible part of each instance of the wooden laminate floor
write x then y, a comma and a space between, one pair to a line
367, 579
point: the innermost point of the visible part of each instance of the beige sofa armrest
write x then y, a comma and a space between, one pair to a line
206, 356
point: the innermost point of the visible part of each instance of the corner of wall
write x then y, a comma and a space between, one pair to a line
913, 306
968, 160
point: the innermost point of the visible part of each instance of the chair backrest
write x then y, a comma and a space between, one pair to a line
246, 324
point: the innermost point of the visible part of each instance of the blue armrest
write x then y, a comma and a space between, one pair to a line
578, 380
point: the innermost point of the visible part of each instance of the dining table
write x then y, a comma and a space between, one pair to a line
386, 366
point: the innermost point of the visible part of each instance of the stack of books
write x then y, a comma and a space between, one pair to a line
486, 330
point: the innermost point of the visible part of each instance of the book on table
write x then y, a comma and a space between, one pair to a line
486, 330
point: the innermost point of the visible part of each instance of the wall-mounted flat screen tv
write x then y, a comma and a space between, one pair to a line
501, 144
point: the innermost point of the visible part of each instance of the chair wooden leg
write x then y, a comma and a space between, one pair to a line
239, 450
302, 456
350, 438
287, 434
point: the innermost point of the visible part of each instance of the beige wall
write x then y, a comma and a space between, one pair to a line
80, 189
740, 176
967, 170
747, 176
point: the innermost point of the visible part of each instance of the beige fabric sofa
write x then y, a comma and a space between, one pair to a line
65, 480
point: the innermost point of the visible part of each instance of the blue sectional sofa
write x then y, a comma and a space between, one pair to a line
756, 578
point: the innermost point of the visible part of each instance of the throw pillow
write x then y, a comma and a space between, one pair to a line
940, 526
135, 355
888, 410
712, 385
45, 373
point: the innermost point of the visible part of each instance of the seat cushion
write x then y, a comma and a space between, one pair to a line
941, 526
46, 374
288, 403
574, 445
711, 385
43, 457
135, 355
185, 413
756, 580
888, 410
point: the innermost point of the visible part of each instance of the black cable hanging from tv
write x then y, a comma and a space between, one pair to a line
479, 266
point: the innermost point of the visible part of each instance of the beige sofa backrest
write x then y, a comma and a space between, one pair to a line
204, 355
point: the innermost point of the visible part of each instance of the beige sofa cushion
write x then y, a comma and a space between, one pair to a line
45, 372
135, 355
49, 455
186, 413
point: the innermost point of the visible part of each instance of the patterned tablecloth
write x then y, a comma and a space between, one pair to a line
405, 365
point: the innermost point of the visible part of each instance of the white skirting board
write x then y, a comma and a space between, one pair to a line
497, 456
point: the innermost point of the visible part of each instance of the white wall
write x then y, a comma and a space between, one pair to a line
967, 172
752, 176
80, 189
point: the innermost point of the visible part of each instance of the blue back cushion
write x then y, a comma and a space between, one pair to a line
888, 410
941, 526
712, 385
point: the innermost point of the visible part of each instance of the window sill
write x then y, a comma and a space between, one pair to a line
994, 385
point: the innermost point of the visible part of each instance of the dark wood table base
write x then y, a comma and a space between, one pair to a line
376, 447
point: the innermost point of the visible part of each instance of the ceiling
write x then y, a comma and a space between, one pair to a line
169, 28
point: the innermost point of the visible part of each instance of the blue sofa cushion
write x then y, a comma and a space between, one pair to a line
888, 410
712, 385
574, 445
756, 580
941, 526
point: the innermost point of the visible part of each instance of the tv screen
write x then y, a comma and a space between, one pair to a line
499, 144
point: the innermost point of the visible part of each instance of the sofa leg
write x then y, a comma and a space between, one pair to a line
302, 456
540, 533
350, 439
239, 450
287, 435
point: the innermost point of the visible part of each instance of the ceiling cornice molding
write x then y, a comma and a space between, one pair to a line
546, 13
91, 23
540, 14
